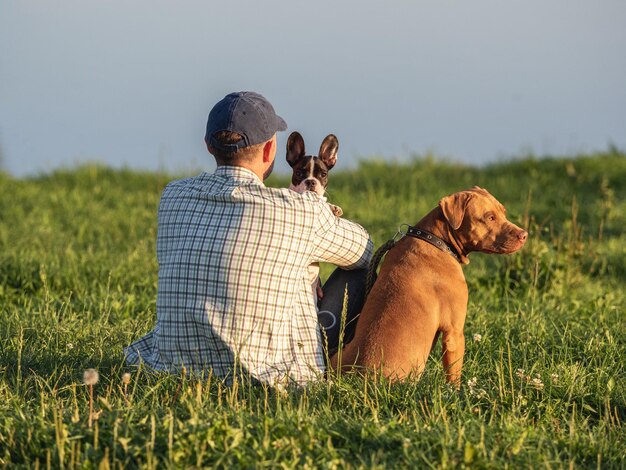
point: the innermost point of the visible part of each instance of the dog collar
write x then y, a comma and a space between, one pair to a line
433, 240
412, 232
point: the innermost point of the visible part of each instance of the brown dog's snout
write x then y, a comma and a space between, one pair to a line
516, 240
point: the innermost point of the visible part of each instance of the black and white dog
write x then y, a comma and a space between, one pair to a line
310, 173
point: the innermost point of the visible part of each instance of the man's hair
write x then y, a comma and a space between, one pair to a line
227, 137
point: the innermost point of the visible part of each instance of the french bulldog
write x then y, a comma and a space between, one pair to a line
310, 173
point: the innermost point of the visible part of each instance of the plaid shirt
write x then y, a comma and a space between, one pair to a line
233, 283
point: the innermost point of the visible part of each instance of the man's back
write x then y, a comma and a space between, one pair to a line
233, 280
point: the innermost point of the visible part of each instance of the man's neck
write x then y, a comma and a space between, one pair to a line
253, 168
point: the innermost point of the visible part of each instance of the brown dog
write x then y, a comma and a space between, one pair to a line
421, 291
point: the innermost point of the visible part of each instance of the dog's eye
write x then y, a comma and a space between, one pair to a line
491, 218
323, 174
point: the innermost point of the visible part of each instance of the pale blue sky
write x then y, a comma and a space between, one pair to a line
130, 82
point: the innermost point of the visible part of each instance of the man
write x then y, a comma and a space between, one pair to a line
234, 291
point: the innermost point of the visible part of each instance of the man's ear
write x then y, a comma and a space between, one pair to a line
295, 148
268, 150
454, 207
328, 150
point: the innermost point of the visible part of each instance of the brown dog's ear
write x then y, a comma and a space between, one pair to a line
328, 150
295, 148
454, 207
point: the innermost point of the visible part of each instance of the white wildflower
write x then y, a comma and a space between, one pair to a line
537, 383
478, 337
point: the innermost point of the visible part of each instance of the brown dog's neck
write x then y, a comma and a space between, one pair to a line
435, 223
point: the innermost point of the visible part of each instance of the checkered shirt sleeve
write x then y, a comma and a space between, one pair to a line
234, 289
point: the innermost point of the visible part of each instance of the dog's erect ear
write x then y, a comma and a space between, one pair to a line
454, 207
295, 148
328, 150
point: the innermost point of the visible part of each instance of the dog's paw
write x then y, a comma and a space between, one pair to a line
337, 211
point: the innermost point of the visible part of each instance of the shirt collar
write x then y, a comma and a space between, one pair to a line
238, 173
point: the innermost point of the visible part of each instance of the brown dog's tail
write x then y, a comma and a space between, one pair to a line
374, 262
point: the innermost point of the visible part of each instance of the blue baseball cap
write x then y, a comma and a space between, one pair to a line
247, 113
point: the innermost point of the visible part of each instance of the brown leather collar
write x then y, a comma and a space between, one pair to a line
433, 240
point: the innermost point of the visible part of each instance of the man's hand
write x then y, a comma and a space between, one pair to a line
320, 292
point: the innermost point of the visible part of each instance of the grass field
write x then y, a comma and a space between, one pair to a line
544, 382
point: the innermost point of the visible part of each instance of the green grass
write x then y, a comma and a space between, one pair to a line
544, 387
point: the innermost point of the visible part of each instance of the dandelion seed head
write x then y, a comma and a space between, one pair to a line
91, 377
478, 337
126, 378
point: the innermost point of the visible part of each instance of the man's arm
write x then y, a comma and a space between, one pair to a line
341, 242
